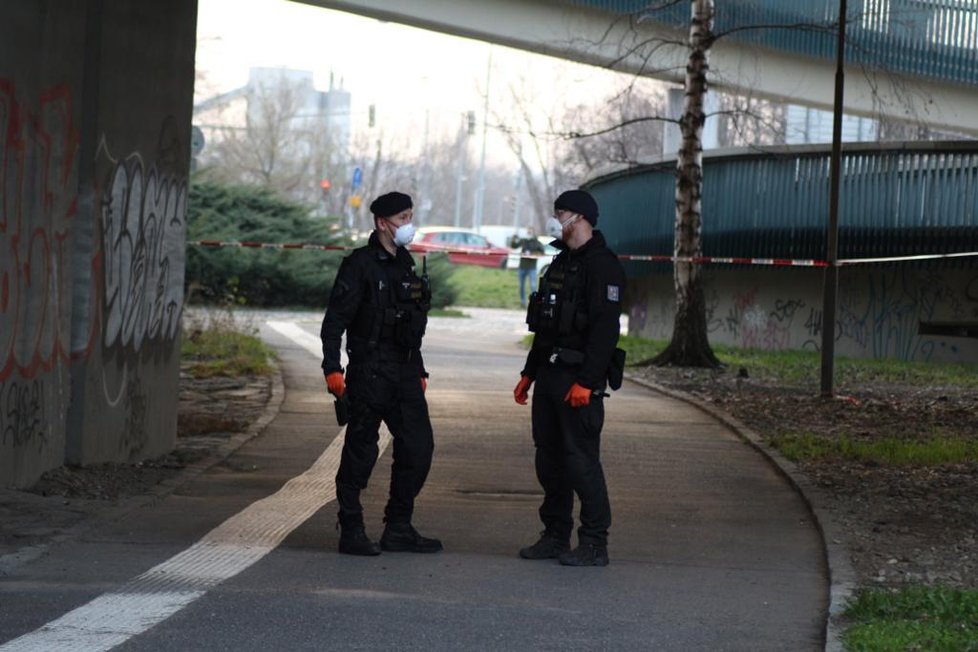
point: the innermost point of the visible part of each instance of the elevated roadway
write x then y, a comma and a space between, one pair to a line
613, 40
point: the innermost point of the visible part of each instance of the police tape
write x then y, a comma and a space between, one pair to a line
696, 260
724, 260
247, 244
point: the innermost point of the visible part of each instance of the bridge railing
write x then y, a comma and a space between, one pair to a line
927, 38
897, 199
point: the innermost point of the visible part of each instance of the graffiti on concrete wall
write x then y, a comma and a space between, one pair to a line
138, 257
898, 302
143, 239
22, 415
38, 202
142, 213
878, 314
753, 326
38, 187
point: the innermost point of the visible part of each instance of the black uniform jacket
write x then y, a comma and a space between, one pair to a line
604, 286
349, 307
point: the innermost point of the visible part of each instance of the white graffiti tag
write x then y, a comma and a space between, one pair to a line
143, 234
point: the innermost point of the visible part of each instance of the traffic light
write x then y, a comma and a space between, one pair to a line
470, 119
371, 115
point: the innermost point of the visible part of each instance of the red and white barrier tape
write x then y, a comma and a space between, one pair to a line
703, 260
699, 260
265, 245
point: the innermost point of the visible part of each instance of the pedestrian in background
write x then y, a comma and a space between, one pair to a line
530, 250
382, 305
575, 320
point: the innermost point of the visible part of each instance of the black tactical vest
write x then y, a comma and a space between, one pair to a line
394, 314
558, 310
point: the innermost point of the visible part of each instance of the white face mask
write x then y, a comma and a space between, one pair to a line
404, 235
555, 229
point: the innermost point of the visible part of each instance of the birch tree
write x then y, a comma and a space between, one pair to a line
689, 345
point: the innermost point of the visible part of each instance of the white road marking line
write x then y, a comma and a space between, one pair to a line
149, 599
301, 337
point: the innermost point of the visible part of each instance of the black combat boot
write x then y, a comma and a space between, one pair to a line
401, 537
550, 546
354, 541
586, 554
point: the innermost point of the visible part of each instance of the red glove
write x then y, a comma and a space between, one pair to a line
424, 384
335, 384
578, 395
522, 391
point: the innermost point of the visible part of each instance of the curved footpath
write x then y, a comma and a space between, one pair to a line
842, 577
712, 545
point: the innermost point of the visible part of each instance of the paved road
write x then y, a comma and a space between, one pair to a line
710, 548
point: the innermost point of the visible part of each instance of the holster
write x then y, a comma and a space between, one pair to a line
342, 407
616, 369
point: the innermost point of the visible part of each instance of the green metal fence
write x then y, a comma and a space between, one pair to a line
896, 200
927, 38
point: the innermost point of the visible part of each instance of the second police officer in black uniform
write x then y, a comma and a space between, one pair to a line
575, 318
382, 305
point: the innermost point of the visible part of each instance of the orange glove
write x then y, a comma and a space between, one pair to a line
578, 395
424, 384
335, 384
522, 391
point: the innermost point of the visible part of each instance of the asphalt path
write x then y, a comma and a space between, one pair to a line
710, 548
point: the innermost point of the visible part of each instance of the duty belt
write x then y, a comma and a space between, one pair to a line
384, 354
566, 356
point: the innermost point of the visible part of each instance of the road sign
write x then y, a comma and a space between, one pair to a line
357, 177
196, 140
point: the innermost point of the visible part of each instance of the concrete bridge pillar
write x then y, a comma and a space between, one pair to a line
95, 113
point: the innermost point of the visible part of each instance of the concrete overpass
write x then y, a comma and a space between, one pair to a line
598, 32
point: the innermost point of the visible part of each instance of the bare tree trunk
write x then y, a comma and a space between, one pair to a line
689, 346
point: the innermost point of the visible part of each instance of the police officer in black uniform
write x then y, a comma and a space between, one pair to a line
382, 305
575, 318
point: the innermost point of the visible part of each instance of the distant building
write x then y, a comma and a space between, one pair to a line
315, 120
805, 125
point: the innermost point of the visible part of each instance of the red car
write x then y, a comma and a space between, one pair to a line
464, 247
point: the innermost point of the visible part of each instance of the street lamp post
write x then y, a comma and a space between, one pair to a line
481, 188
830, 293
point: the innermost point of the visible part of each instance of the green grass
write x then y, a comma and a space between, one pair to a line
915, 618
222, 351
497, 288
886, 451
486, 287
801, 366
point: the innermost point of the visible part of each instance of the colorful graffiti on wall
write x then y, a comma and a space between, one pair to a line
878, 312
136, 263
38, 186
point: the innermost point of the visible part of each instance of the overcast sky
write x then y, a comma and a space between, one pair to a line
402, 70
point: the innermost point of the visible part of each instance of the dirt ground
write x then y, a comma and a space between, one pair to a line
210, 412
903, 525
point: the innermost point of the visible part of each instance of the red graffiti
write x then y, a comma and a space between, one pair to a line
39, 191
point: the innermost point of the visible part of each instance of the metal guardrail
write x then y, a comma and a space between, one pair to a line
899, 199
927, 38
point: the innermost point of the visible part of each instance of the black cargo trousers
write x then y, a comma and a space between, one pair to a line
387, 390
568, 461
